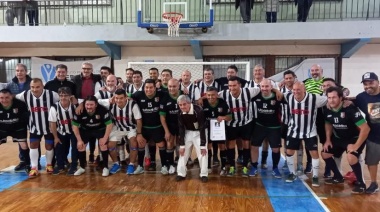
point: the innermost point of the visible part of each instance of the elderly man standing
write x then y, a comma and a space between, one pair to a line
192, 132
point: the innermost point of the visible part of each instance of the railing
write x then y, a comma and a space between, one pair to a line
95, 12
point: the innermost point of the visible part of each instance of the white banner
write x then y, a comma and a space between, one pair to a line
45, 69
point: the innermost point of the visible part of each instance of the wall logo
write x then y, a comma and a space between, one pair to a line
48, 72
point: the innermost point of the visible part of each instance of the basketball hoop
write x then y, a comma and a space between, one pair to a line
173, 20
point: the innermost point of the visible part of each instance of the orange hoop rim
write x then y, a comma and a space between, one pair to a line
176, 16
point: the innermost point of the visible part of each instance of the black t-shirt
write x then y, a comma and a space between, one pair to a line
345, 121
96, 121
223, 83
268, 110
149, 107
213, 111
15, 117
169, 108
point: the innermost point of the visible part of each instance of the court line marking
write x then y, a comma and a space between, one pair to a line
316, 196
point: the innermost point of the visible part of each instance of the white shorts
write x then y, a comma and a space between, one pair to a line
116, 135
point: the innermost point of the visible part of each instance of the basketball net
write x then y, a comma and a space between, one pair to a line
173, 20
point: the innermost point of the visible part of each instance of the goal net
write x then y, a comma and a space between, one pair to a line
196, 68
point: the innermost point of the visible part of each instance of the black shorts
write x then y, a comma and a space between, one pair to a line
243, 132
311, 144
90, 135
261, 132
49, 138
174, 130
155, 135
284, 131
340, 146
18, 136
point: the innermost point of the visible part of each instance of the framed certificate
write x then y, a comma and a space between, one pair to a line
217, 130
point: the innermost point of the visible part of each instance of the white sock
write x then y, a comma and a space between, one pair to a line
33, 158
315, 164
290, 162
147, 153
362, 164
338, 162
121, 151
49, 156
300, 157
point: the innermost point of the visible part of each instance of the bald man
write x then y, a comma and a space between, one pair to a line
302, 126
189, 88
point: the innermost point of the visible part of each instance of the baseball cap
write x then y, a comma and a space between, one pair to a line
369, 76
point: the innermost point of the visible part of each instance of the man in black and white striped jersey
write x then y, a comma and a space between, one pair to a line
138, 84
189, 88
104, 73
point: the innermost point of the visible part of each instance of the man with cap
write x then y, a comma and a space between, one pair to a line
369, 103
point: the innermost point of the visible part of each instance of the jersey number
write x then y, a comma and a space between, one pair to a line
336, 120
8, 115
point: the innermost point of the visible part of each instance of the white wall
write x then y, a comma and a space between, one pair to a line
367, 59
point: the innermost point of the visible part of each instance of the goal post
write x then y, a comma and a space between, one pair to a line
196, 68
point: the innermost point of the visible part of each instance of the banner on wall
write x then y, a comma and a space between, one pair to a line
45, 69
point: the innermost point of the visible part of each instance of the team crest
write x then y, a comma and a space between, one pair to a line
342, 115
15, 110
220, 109
97, 116
157, 99
272, 102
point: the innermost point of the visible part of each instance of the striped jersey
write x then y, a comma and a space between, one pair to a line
313, 86
63, 117
193, 90
253, 84
303, 115
98, 85
285, 111
125, 118
39, 110
103, 94
241, 106
131, 88
203, 87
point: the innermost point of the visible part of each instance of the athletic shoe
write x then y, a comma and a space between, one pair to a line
152, 166
72, 170
164, 170
114, 169
216, 161
276, 173
291, 178
33, 173
130, 169
327, 174
253, 171
231, 172
373, 188
358, 189
171, 169
334, 181
106, 172
285, 166
20, 167
315, 182
204, 179
190, 162
58, 171
49, 169
244, 172
139, 170
180, 178
80, 171
264, 166
147, 161
223, 172
307, 169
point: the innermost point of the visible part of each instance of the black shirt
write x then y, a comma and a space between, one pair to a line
97, 121
169, 108
149, 108
223, 83
268, 110
213, 111
15, 117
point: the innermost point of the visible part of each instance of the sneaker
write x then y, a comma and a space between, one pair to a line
147, 161
180, 178
204, 179
334, 181
216, 161
106, 172
253, 171
264, 166
358, 189
373, 188
276, 173
33, 173
291, 178
72, 170
244, 172
171, 169
223, 172
285, 166
80, 171
20, 167
190, 162
58, 171
152, 166
114, 169
231, 172
164, 170
315, 182
130, 169
139, 170
307, 169
49, 169
327, 176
